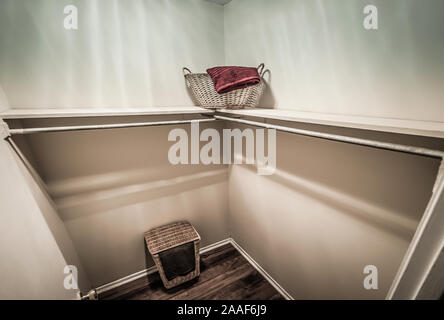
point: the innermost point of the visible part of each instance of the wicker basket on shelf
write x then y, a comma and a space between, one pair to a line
206, 96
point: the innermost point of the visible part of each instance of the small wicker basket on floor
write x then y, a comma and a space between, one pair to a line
168, 237
206, 96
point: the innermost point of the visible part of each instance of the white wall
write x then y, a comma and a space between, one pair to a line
4, 105
32, 263
323, 60
111, 186
49, 212
125, 53
329, 210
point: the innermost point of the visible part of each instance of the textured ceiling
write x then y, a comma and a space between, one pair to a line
221, 2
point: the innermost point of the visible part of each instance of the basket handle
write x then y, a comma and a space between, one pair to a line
185, 69
260, 69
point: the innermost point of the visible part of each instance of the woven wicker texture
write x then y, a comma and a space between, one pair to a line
170, 236
206, 96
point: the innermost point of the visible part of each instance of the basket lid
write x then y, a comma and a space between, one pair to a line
169, 236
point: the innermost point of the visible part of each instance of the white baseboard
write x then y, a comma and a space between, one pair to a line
214, 245
153, 269
124, 280
264, 273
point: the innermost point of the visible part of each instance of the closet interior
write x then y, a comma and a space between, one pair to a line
86, 117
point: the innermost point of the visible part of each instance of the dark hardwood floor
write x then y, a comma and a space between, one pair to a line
225, 274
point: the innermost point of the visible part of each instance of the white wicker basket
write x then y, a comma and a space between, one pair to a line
206, 96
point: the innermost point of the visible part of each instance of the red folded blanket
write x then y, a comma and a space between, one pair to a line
226, 79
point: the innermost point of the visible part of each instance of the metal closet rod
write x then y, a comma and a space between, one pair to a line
105, 126
326, 136
334, 137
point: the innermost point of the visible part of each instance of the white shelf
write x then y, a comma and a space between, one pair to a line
413, 127
99, 112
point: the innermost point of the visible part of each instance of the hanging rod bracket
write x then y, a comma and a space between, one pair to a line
4, 130
91, 295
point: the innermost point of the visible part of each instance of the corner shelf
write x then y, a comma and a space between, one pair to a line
401, 126
99, 112
432, 129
